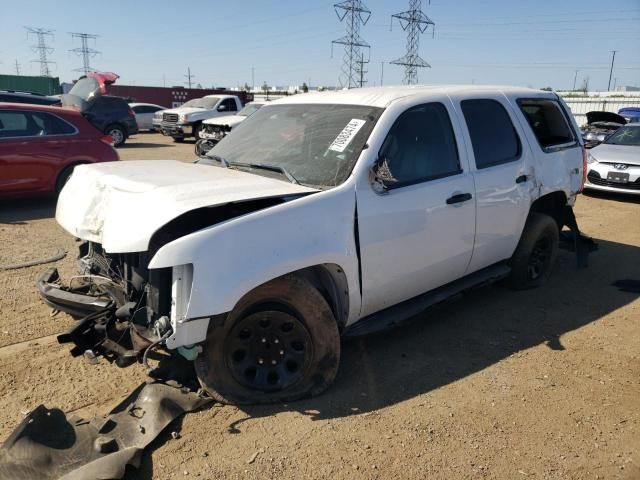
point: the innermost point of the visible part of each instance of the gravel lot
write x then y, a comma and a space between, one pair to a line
501, 384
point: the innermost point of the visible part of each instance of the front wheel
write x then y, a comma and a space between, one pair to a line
536, 253
280, 343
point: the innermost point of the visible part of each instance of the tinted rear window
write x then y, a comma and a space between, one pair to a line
493, 136
548, 122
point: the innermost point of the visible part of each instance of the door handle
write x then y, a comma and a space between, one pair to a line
458, 198
522, 179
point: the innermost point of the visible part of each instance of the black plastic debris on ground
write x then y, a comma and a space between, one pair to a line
51, 445
628, 285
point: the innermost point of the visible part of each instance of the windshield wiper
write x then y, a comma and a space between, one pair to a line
273, 168
222, 160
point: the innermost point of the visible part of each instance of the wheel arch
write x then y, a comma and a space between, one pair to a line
551, 204
69, 166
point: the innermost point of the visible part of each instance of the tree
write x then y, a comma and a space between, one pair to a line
305, 88
246, 87
585, 85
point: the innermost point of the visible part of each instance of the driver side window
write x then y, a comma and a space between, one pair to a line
421, 146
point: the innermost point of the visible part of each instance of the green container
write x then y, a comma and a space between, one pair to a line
23, 83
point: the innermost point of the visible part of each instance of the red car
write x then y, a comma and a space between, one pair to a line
40, 146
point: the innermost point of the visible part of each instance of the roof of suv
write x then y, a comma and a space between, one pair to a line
383, 96
39, 108
29, 97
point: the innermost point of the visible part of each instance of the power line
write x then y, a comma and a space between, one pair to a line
189, 76
414, 22
354, 14
84, 51
42, 49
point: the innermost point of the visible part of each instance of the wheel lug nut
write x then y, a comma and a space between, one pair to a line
260, 361
281, 352
276, 341
264, 340
273, 362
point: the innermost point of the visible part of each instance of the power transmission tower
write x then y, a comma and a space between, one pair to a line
17, 67
84, 51
361, 63
42, 49
189, 76
354, 13
414, 22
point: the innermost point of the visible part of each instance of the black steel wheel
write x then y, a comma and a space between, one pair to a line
268, 351
280, 343
533, 260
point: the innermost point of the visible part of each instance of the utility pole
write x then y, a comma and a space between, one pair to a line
575, 77
164, 80
414, 22
615, 81
361, 63
189, 76
253, 81
381, 73
84, 51
353, 13
17, 67
42, 49
613, 59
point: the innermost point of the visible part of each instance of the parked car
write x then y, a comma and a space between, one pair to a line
28, 97
186, 120
614, 165
109, 114
41, 145
630, 114
321, 215
215, 129
599, 126
144, 113
156, 123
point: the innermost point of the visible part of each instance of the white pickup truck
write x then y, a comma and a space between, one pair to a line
321, 215
186, 120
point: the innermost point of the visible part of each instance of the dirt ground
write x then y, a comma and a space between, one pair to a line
500, 384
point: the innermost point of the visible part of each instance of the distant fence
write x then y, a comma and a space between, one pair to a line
580, 106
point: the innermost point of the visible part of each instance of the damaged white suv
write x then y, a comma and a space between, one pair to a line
321, 215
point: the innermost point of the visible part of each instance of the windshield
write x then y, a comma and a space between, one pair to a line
249, 109
625, 136
205, 102
317, 144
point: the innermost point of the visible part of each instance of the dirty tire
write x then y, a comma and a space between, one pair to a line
536, 253
196, 131
313, 343
63, 178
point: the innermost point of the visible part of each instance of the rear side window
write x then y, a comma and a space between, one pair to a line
52, 125
492, 133
13, 124
548, 122
32, 124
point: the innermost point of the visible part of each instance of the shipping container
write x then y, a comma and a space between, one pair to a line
24, 83
169, 97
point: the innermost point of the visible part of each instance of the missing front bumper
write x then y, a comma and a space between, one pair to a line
67, 300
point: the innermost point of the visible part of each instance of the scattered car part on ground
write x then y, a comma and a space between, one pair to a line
41, 145
358, 172
628, 285
58, 255
614, 165
145, 113
111, 115
186, 120
12, 96
49, 444
215, 129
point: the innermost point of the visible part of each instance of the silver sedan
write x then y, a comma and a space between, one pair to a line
614, 165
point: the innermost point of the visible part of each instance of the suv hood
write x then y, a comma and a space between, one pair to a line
122, 204
87, 89
604, 117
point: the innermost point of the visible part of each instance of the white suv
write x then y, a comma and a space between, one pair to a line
321, 215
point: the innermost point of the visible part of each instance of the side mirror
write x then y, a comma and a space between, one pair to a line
222, 108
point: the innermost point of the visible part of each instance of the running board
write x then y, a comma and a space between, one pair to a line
398, 314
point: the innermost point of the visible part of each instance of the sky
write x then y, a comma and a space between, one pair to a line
528, 43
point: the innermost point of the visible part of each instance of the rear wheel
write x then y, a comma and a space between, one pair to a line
63, 178
280, 343
196, 131
118, 135
536, 253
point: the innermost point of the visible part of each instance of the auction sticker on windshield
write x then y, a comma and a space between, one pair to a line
346, 135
